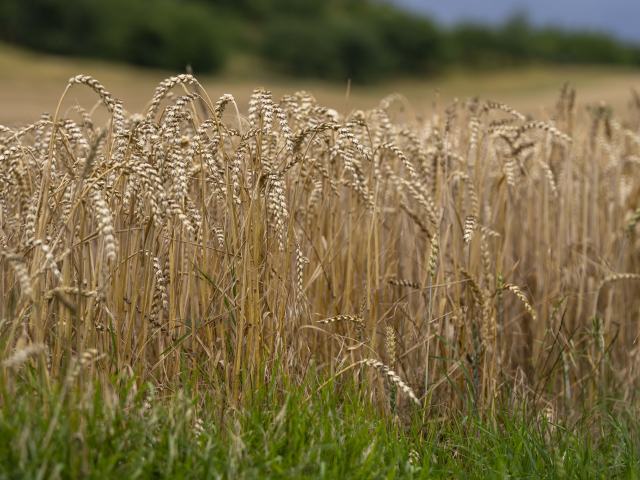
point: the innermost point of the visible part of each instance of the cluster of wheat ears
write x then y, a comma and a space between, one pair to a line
445, 260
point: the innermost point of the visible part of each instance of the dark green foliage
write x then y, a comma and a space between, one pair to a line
517, 42
335, 49
362, 40
476, 46
156, 33
173, 38
416, 45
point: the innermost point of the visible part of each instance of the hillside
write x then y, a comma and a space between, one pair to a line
31, 83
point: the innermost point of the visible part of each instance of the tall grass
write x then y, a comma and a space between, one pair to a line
451, 260
92, 433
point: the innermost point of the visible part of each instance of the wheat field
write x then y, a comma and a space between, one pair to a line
458, 258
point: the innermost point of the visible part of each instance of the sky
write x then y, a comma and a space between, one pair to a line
618, 17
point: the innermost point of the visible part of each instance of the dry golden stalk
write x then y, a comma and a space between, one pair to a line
393, 378
470, 225
405, 283
433, 255
19, 357
523, 299
199, 222
22, 274
358, 320
390, 344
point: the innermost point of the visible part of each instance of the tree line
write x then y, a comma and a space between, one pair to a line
363, 40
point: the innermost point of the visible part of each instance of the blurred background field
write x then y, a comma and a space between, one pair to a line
31, 83
349, 53
451, 293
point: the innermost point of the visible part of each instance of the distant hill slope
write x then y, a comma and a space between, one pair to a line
31, 83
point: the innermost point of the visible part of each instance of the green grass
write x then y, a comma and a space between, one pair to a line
47, 432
